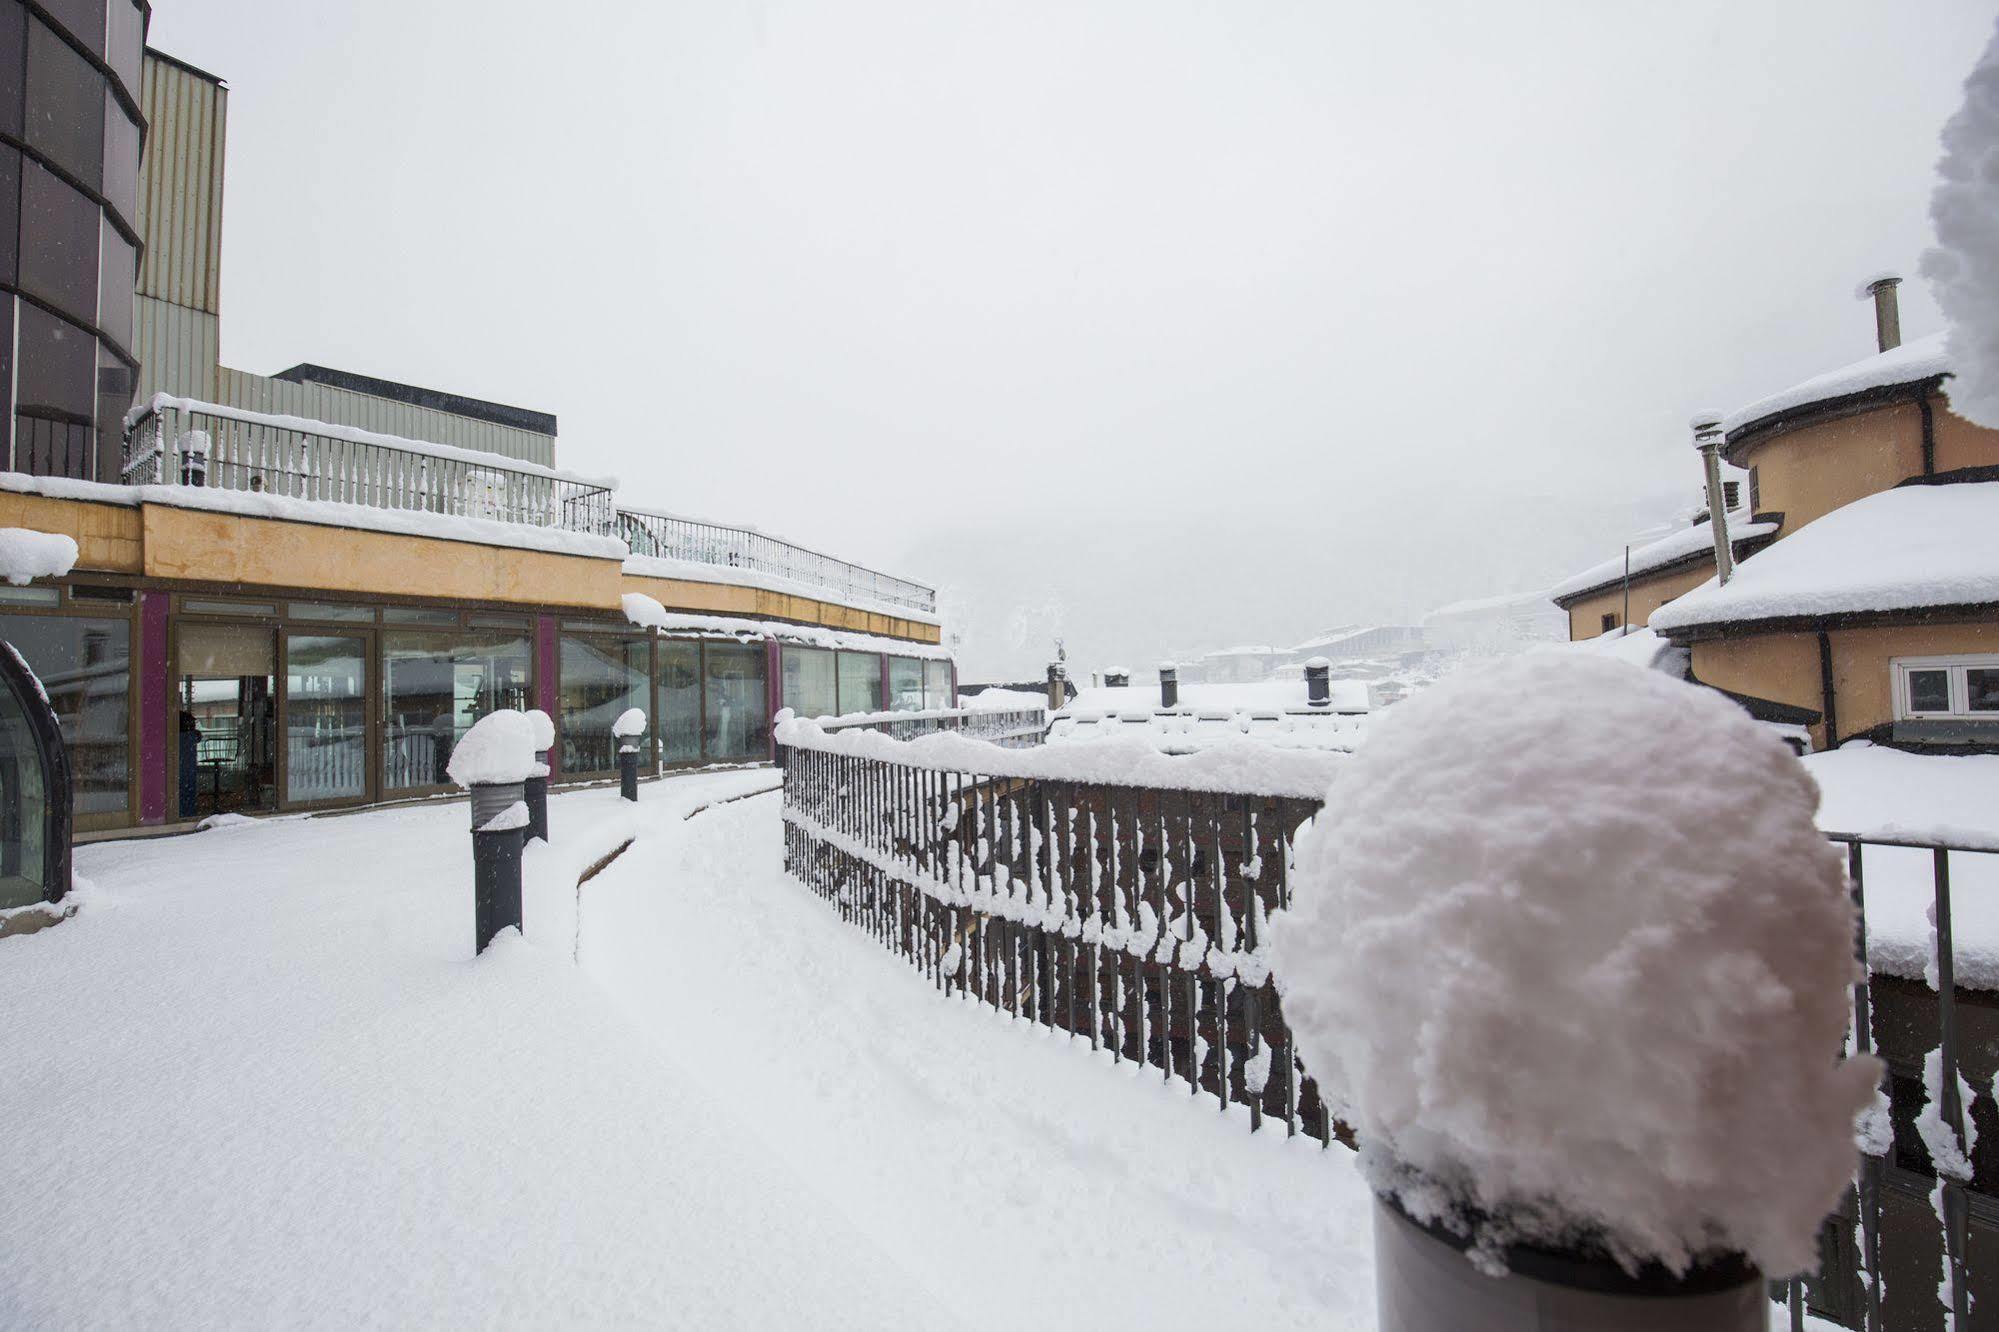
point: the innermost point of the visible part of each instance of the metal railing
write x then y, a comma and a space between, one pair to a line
665, 536
1130, 916
175, 442
1009, 728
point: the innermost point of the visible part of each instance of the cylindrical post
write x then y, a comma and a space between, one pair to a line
535, 792
1318, 683
1169, 685
1116, 677
1887, 310
1708, 438
628, 731
628, 772
499, 827
1057, 696
1424, 1284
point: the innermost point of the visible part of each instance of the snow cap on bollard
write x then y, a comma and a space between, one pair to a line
543, 727
630, 725
1569, 952
498, 750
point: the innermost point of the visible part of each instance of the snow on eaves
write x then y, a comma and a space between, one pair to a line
1910, 363
325, 513
26, 555
692, 571
643, 610
1679, 544
1910, 548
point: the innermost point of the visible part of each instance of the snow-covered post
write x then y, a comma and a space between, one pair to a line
627, 730
1057, 696
493, 761
1169, 685
1569, 953
535, 788
1708, 437
1319, 683
193, 447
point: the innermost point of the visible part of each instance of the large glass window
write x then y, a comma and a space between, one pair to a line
434, 686
24, 796
326, 718
810, 687
60, 230
56, 383
905, 684
65, 104
737, 726
601, 677
860, 682
121, 160
226, 684
13, 64
86, 667
677, 714
118, 271
937, 685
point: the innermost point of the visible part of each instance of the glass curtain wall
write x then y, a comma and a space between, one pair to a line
227, 687
905, 684
326, 718
860, 682
86, 666
601, 678
937, 685
677, 712
810, 686
24, 796
434, 687
736, 727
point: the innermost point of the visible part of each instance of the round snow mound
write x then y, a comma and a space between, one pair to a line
1569, 949
632, 721
544, 730
499, 748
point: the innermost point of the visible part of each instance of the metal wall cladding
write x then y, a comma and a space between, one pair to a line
323, 402
177, 349
180, 186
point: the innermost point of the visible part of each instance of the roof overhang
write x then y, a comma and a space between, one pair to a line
1750, 435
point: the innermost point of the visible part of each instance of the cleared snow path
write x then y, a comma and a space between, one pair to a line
259, 1080
1038, 1184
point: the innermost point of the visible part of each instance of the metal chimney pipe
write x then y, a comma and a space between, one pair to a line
1117, 677
1169, 685
1319, 683
1057, 696
1708, 438
1887, 309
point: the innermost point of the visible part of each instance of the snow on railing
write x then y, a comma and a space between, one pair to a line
668, 536
1129, 915
1012, 728
180, 441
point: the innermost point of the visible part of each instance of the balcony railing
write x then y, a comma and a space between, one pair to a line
665, 536
179, 442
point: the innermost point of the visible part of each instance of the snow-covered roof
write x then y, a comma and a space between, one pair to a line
1679, 544
1910, 363
1245, 650
1480, 605
1910, 548
643, 610
1640, 647
1270, 696
1346, 634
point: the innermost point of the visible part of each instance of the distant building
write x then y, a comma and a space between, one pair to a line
1495, 624
1359, 640
1241, 664
1274, 712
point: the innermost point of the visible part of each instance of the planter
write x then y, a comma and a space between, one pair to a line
1423, 1283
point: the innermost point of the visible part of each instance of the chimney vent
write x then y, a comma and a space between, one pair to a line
1319, 683
1708, 438
1169, 685
1887, 310
1057, 694
1117, 677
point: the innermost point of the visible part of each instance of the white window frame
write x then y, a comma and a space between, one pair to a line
1960, 692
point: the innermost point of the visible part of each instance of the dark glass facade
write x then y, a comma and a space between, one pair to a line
70, 142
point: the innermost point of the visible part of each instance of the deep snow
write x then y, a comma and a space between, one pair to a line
1963, 268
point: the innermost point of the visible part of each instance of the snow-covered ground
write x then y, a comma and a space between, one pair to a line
260, 1079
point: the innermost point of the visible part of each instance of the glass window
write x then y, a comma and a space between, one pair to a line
190, 605
59, 232
121, 159
937, 685
677, 713
810, 688
58, 367
86, 666
326, 718
125, 51
65, 103
13, 62
24, 858
905, 684
117, 384
118, 271
83, 18
1929, 691
737, 727
860, 682
319, 610
434, 686
601, 677
227, 685
31, 596
1981, 688
10, 217
417, 615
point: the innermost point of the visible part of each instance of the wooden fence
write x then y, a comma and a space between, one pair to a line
1130, 916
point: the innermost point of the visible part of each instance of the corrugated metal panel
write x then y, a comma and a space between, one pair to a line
323, 402
180, 186
177, 349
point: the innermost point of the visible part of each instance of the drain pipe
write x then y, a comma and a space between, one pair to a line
1708, 438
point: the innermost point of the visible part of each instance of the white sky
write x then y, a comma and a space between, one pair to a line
1156, 324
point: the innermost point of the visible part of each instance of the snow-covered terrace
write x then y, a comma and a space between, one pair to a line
183, 451
1916, 547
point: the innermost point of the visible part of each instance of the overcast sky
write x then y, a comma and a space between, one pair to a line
1153, 324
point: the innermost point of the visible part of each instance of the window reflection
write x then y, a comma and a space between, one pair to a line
85, 665
860, 682
737, 727
810, 687
326, 718
677, 715
434, 687
601, 678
